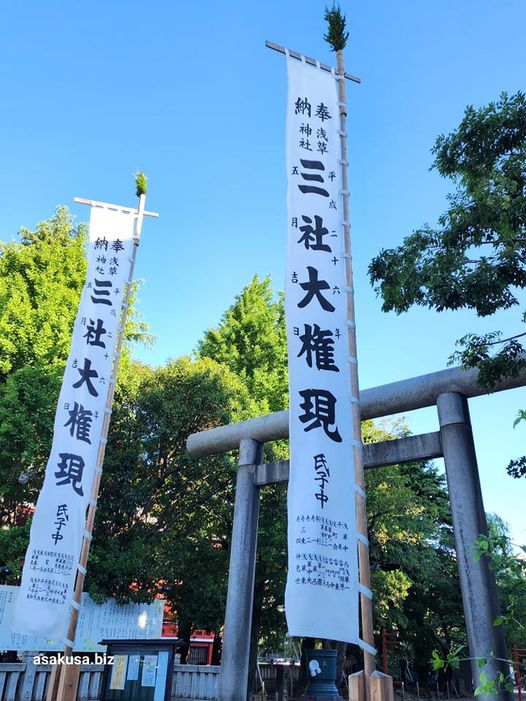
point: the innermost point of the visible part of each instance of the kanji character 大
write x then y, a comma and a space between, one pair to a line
313, 288
86, 375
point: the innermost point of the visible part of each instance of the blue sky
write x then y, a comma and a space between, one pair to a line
189, 93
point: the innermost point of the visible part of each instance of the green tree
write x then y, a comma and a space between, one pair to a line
251, 341
41, 277
413, 565
164, 519
476, 257
510, 573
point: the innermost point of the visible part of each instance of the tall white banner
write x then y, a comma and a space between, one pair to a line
48, 579
321, 598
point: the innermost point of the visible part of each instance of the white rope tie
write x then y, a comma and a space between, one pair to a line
365, 646
365, 591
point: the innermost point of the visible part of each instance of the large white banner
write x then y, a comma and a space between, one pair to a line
321, 598
48, 578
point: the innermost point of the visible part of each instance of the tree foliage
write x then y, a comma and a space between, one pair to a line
413, 564
251, 340
476, 257
510, 573
164, 519
41, 278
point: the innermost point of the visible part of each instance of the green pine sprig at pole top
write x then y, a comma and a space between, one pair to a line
141, 183
336, 35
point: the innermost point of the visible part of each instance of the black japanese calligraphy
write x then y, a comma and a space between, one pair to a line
313, 235
319, 409
80, 420
70, 469
86, 375
102, 244
318, 345
322, 112
303, 106
94, 332
312, 177
314, 288
322, 477
101, 292
62, 518
117, 246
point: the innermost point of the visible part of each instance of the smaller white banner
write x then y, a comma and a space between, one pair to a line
50, 567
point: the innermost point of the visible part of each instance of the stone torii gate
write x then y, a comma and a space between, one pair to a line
449, 390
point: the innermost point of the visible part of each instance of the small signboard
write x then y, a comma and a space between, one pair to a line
141, 670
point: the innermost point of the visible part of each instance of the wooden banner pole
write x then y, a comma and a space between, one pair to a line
366, 608
66, 689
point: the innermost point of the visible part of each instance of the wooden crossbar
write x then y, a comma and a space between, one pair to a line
309, 60
107, 205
